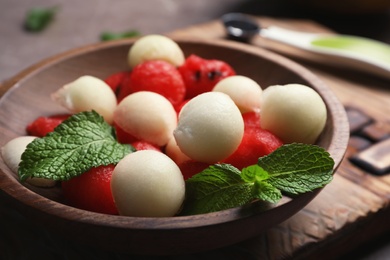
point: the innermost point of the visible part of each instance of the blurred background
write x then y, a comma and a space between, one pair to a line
78, 23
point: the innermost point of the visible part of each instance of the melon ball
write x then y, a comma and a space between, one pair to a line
147, 183
155, 47
12, 152
244, 91
293, 112
210, 127
85, 94
174, 152
147, 116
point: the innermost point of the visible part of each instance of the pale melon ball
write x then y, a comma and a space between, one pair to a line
244, 91
12, 152
174, 152
155, 47
85, 94
148, 116
293, 112
210, 127
147, 183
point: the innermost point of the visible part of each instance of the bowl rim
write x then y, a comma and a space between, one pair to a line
337, 148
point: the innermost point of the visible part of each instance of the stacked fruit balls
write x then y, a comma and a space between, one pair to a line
181, 114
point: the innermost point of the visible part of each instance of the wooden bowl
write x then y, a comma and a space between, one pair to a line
26, 96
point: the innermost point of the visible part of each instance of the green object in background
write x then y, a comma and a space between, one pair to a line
108, 36
360, 46
38, 19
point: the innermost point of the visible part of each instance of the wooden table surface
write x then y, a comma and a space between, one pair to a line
81, 22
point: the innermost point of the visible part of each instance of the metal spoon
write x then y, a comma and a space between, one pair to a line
354, 52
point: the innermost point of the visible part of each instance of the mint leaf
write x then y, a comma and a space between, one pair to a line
298, 168
109, 36
38, 19
292, 168
81, 142
254, 173
261, 189
216, 188
266, 192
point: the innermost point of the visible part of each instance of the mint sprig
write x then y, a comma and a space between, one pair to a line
217, 187
38, 18
291, 169
109, 36
79, 143
298, 168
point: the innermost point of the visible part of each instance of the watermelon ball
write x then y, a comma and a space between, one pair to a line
251, 119
122, 136
143, 145
91, 190
255, 143
191, 168
160, 77
44, 125
115, 80
119, 82
200, 75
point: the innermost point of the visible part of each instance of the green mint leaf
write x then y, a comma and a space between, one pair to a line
254, 173
38, 19
298, 168
216, 188
292, 168
81, 142
109, 36
266, 192
261, 189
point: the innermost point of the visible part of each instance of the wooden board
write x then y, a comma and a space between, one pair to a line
352, 209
